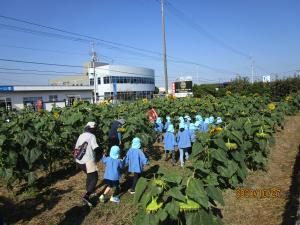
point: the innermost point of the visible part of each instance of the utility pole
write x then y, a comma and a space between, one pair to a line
94, 59
164, 46
252, 69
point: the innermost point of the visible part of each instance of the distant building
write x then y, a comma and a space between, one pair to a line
123, 82
76, 80
17, 97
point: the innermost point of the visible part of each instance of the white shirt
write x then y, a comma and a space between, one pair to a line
89, 156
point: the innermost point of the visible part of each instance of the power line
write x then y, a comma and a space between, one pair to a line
43, 71
110, 44
203, 31
62, 65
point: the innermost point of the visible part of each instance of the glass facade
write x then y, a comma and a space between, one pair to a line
128, 80
129, 95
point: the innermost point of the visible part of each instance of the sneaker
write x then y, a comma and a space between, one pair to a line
87, 201
115, 199
131, 192
102, 198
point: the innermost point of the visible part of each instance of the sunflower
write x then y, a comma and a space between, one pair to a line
215, 130
56, 115
228, 93
145, 101
154, 205
271, 106
288, 98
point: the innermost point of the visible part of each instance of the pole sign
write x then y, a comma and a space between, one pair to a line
115, 88
183, 86
6, 88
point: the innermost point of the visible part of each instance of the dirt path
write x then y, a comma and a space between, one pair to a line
282, 174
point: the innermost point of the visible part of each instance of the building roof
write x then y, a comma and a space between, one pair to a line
17, 88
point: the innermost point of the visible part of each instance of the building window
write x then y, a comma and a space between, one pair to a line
99, 80
91, 81
53, 98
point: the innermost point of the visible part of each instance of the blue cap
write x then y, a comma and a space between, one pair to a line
168, 118
180, 118
181, 125
219, 120
170, 128
158, 120
114, 152
136, 143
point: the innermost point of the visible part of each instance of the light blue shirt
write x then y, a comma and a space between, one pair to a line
183, 139
169, 141
112, 168
136, 159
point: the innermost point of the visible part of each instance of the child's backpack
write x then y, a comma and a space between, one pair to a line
80, 151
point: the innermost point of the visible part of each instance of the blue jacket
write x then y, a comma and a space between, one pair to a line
112, 168
169, 141
159, 127
167, 125
136, 159
183, 139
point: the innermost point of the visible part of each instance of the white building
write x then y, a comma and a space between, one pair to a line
123, 82
16, 97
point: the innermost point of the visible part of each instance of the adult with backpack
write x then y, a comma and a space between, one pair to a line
86, 152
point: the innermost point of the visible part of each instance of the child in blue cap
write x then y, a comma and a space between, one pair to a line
112, 174
170, 143
159, 128
168, 122
183, 139
135, 159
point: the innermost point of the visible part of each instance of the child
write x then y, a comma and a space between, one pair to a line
170, 143
159, 128
187, 121
112, 174
184, 142
168, 118
136, 159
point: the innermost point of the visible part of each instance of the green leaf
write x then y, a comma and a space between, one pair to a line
173, 178
173, 209
192, 218
31, 177
197, 149
237, 156
247, 128
162, 214
219, 155
176, 193
140, 188
31, 155
220, 143
196, 191
215, 194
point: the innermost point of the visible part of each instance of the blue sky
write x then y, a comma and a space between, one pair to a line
267, 29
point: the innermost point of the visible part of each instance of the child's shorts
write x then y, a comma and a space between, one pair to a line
111, 183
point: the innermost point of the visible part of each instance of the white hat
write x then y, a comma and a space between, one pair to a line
91, 124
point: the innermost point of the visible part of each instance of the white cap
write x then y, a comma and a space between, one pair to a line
91, 124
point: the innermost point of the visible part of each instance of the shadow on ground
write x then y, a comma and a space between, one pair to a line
292, 205
75, 215
27, 209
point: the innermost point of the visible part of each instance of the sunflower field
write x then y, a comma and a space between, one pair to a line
32, 143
